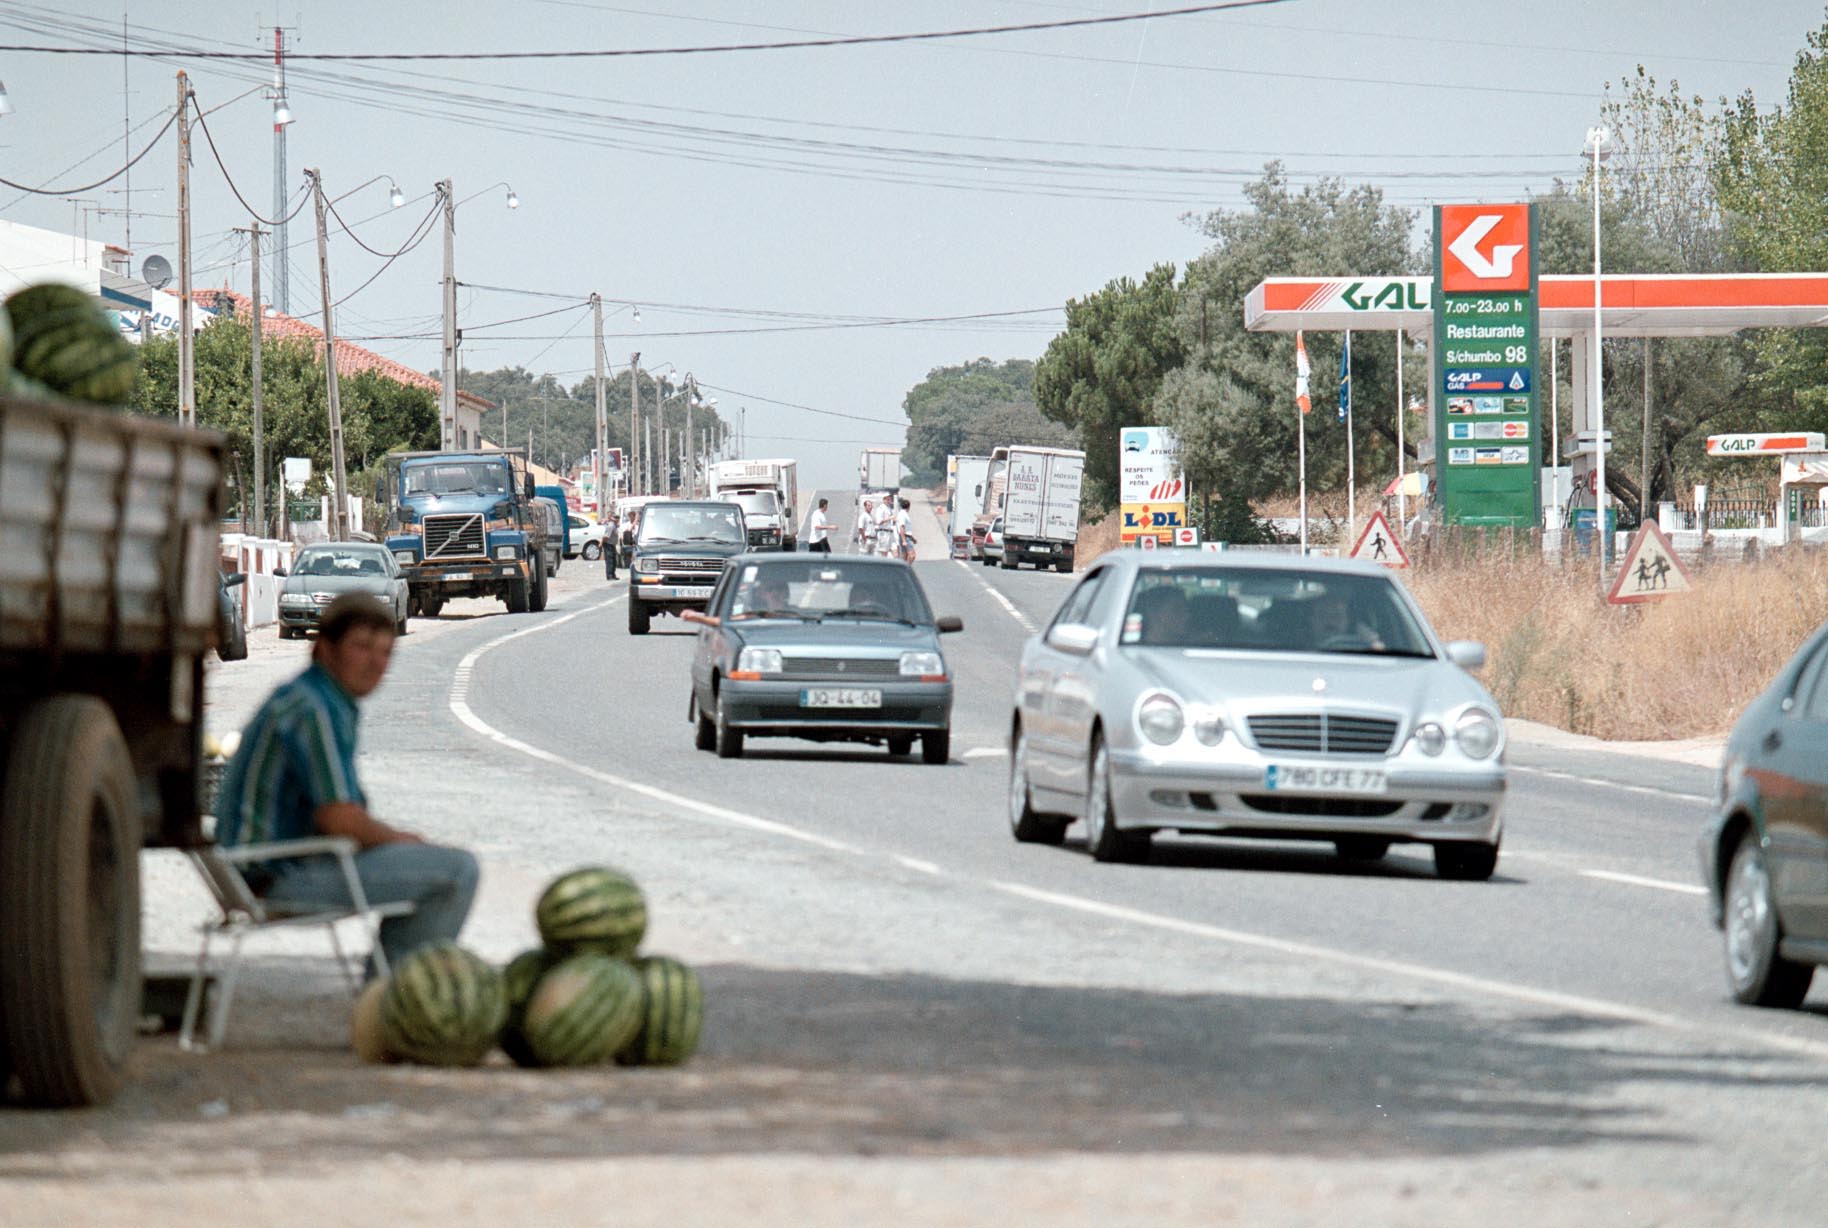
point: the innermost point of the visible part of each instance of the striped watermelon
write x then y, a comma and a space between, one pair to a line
596, 909
444, 1007
673, 1014
518, 980
65, 341
366, 1035
583, 1012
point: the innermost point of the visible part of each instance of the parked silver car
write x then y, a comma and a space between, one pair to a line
1258, 696
323, 572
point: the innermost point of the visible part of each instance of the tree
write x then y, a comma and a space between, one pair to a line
971, 409
1101, 374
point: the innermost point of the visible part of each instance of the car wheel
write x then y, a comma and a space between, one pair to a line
400, 626
988, 561
900, 743
728, 741
287, 633
1758, 974
638, 618
936, 746
1103, 840
1466, 862
1026, 824
706, 738
592, 551
1362, 848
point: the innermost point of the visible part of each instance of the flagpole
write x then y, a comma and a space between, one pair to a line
1402, 498
1302, 404
1304, 483
1351, 469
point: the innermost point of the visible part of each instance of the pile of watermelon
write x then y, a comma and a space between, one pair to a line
56, 341
582, 998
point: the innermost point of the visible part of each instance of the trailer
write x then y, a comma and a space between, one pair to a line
970, 475
879, 469
1041, 507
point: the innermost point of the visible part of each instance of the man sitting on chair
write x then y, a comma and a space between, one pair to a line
293, 777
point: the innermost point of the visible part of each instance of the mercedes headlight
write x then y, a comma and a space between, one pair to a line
1478, 734
759, 661
1430, 738
923, 665
1160, 718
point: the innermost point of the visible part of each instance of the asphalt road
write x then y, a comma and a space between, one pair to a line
922, 1019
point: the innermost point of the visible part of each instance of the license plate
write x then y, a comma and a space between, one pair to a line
455, 575
1323, 778
840, 697
693, 591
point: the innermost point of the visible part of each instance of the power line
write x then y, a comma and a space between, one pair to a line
829, 413
230, 179
419, 235
592, 54
132, 162
388, 256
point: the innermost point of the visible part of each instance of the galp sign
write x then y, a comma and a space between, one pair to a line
1485, 248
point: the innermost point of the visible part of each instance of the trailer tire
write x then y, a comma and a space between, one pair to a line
70, 835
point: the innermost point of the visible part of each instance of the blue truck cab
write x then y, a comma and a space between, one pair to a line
464, 524
557, 495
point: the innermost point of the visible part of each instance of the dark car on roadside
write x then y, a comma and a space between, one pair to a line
829, 648
1764, 856
231, 629
678, 556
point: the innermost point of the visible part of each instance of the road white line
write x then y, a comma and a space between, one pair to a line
984, 752
1392, 967
915, 863
1008, 605
1613, 784
460, 707
1637, 880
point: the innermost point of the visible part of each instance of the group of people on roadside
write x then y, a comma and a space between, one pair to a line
885, 527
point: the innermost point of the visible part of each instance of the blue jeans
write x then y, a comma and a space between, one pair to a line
439, 881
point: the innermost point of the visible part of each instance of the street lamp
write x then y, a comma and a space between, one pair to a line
447, 390
1599, 145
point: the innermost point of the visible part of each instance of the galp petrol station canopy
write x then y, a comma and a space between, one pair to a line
1634, 304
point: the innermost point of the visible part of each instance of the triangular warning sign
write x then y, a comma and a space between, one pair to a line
1651, 571
1377, 544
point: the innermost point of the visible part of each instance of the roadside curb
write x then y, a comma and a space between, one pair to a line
1698, 752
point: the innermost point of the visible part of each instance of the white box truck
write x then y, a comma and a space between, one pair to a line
879, 469
1041, 507
757, 486
970, 474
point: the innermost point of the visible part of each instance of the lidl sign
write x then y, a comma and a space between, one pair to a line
1159, 520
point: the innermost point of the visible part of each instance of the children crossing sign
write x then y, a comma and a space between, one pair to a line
1651, 571
1377, 544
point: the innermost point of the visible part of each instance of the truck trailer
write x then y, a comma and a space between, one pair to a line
1041, 507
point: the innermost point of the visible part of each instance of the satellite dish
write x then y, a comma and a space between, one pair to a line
156, 272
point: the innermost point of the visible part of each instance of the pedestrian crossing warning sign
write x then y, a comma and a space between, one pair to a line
1651, 571
1377, 544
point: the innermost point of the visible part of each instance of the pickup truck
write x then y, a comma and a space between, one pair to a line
464, 524
109, 593
678, 557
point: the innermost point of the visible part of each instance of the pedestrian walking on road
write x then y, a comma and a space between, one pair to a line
887, 543
866, 528
294, 777
904, 533
822, 528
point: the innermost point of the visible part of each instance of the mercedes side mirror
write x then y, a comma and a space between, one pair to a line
1467, 654
1075, 638
949, 623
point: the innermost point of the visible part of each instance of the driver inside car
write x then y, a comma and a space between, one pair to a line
1335, 622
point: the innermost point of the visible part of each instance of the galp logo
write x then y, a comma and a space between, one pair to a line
1485, 247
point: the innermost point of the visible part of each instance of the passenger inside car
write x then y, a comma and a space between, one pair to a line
1164, 615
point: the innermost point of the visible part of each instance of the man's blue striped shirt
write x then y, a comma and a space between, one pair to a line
297, 754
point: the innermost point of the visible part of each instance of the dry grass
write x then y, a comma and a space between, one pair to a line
1096, 538
1680, 668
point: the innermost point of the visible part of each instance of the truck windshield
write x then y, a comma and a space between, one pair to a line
456, 477
691, 522
756, 503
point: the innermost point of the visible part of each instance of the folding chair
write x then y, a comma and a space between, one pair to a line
244, 913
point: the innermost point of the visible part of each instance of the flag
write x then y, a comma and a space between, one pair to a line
1301, 373
1345, 377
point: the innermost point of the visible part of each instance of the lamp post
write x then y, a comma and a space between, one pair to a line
447, 385
1599, 145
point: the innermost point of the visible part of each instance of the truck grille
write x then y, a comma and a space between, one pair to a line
702, 567
840, 667
454, 536
1323, 733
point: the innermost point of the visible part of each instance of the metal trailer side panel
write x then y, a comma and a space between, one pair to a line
1024, 507
1061, 520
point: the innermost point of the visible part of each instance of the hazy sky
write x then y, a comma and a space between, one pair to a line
779, 189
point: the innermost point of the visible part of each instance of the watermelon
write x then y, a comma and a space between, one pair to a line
65, 341
519, 978
673, 1014
594, 909
366, 1035
583, 1012
444, 1007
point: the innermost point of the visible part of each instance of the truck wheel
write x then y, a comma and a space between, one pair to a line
70, 834
1008, 561
538, 600
638, 617
426, 605
519, 596
1063, 566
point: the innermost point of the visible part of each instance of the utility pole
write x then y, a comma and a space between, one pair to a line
1644, 459
254, 359
639, 453
685, 450
281, 118
339, 504
447, 390
187, 371
601, 468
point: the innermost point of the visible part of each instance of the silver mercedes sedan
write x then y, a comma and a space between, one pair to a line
1268, 696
